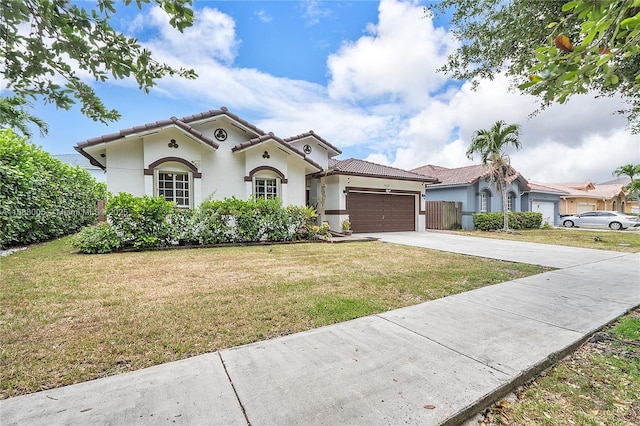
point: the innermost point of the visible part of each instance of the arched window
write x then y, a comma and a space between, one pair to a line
485, 197
511, 201
173, 180
266, 182
613, 206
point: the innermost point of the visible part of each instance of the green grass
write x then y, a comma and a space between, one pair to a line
625, 241
67, 318
599, 384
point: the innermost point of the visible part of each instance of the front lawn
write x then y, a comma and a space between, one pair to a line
67, 318
627, 240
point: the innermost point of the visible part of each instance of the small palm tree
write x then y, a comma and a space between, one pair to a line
13, 116
630, 170
490, 145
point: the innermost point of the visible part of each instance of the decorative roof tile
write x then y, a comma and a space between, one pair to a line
311, 133
146, 127
606, 191
461, 175
352, 166
271, 137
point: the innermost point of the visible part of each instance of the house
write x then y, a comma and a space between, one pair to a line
79, 160
220, 155
586, 196
544, 199
471, 186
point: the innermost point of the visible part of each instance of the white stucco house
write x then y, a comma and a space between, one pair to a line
218, 154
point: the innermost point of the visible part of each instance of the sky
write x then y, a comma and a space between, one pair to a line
362, 75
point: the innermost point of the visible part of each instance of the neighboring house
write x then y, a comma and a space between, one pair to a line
79, 160
543, 199
471, 186
631, 205
582, 197
218, 154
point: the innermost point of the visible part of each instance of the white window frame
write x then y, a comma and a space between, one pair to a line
265, 193
484, 201
511, 200
189, 189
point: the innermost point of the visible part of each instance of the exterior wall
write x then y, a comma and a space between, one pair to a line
463, 194
336, 203
222, 171
318, 153
297, 187
530, 198
469, 195
576, 205
125, 168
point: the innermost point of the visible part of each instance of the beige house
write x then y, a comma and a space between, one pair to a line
582, 197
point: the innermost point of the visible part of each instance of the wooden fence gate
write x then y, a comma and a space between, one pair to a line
443, 215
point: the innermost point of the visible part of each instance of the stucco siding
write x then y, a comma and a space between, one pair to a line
125, 168
296, 185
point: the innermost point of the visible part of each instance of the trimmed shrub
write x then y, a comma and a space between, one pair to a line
517, 220
145, 222
101, 238
140, 222
41, 197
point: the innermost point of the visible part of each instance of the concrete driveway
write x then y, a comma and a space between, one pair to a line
514, 251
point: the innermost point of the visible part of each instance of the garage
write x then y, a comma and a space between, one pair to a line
381, 212
547, 208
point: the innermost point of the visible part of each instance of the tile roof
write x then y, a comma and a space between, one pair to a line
598, 191
271, 137
545, 187
222, 111
352, 166
458, 176
311, 133
173, 121
462, 175
623, 180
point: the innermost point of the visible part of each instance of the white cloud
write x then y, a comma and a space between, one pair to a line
212, 36
396, 61
313, 12
385, 98
263, 16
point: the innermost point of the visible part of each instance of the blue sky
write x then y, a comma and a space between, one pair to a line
361, 74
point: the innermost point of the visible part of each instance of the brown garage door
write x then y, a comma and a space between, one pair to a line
381, 212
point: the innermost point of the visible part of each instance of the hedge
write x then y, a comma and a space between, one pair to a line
40, 196
147, 222
517, 220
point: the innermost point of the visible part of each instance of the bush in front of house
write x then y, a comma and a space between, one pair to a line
517, 220
101, 238
146, 222
140, 222
40, 196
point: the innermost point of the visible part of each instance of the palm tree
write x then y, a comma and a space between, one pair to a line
490, 144
13, 116
629, 170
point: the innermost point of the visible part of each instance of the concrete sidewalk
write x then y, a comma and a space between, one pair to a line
439, 362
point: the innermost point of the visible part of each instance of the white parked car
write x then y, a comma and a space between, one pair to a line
601, 219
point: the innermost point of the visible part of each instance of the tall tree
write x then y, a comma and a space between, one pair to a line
630, 170
44, 42
553, 48
14, 116
490, 145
